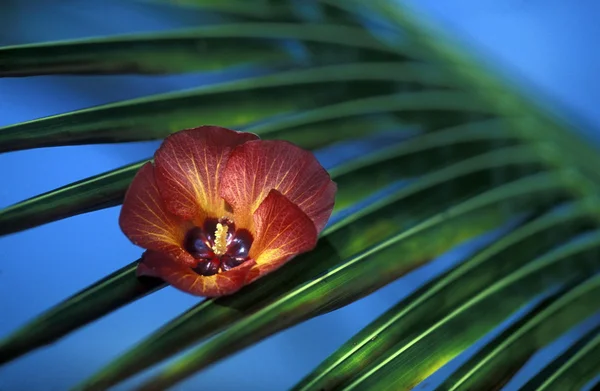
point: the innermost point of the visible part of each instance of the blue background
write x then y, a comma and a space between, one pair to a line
548, 44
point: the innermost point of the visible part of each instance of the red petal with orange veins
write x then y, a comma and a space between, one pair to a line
146, 221
283, 231
256, 167
189, 166
185, 279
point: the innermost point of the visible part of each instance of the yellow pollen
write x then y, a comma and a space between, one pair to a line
220, 246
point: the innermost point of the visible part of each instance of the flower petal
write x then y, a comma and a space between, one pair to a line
189, 164
160, 265
145, 220
283, 231
256, 167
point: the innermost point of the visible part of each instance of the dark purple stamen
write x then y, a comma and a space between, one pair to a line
199, 243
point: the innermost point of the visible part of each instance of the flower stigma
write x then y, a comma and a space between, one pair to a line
220, 241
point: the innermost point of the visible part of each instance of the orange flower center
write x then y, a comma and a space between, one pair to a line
217, 246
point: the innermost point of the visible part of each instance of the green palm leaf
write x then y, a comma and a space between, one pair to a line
473, 319
482, 155
206, 49
232, 104
489, 368
271, 9
438, 298
575, 368
108, 294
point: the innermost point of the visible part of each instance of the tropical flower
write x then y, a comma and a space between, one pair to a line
219, 209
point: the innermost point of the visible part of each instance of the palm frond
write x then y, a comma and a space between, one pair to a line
232, 104
411, 322
493, 366
475, 155
575, 368
210, 48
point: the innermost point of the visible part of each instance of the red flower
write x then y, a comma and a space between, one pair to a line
219, 209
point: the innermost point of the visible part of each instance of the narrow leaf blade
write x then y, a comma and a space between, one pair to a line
234, 104
205, 49
491, 367
572, 369
110, 293
465, 325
